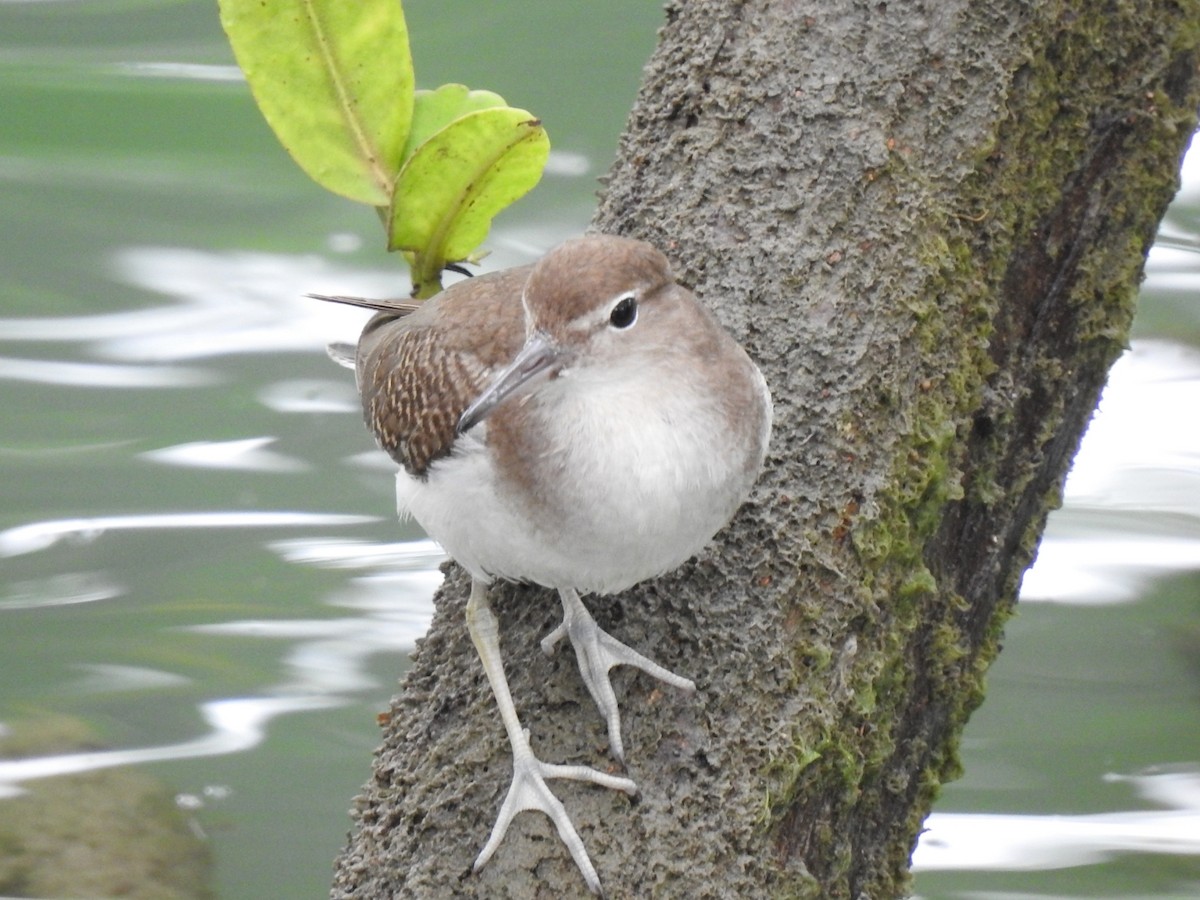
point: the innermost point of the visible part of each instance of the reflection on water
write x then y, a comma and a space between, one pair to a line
1092, 568
1138, 465
1142, 449
1025, 843
99, 678
60, 589
1131, 515
221, 303
325, 660
100, 375
37, 536
347, 554
389, 603
236, 725
247, 454
310, 395
186, 71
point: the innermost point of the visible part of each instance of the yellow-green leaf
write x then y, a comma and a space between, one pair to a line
434, 110
334, 79
455, 183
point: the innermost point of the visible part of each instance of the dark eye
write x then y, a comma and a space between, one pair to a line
624, 313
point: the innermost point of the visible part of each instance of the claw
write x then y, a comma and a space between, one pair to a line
597, 652
529, 790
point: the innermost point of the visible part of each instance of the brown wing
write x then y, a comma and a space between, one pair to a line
417, 373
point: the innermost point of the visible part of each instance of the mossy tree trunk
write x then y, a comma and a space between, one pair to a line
927, 222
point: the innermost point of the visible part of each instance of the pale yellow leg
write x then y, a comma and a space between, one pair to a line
528, 789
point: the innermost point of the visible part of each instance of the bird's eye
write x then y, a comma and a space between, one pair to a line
624, 313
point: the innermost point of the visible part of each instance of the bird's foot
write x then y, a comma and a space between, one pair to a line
597, 651
530, 791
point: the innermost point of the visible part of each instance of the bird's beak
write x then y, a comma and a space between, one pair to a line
532, 365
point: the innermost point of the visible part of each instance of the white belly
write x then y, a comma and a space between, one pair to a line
632, 493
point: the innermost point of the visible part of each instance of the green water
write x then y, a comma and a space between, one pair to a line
154, 246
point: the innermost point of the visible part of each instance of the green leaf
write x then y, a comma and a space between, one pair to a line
334, 79
434, 110
456, 182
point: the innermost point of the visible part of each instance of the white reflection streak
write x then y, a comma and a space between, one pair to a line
63, 589
1139, 461
246, 302
308, 395
957, 841
41, 535
330, 655
570, 165
110, 678
245, 454
101, 375
237, 725
1102, 570
184, 71
227, 303
1145, 420
342, 553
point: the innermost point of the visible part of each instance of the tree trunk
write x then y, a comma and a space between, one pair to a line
927, 222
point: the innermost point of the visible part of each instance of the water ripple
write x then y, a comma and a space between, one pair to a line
246, 455
234, 725
1131, 508
1016, 843
101, 375
37, 536
63, 589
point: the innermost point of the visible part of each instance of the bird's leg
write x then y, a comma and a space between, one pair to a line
597, 651
528, 789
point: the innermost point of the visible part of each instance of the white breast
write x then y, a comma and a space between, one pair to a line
633, 485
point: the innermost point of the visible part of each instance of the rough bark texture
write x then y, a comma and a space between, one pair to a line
927, 221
